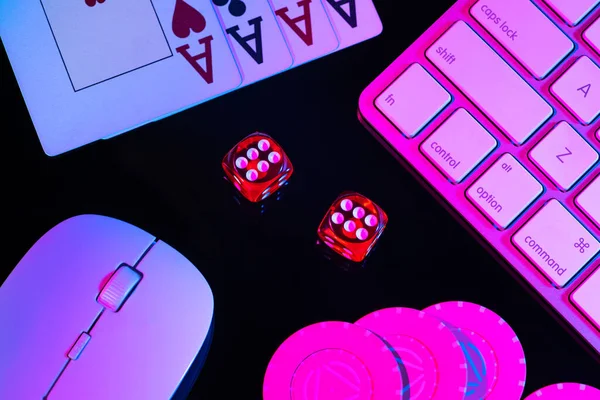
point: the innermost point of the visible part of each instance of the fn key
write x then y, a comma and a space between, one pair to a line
412, 100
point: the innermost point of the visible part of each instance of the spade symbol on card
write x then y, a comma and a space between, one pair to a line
237, 8
92, 3
186, 19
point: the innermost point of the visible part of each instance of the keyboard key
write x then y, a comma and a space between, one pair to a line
589, 201
486, 79
564, 156
579, 89
572, 11
592, 35
504, 191
459, 145
413, 100
556, 243
525, 32
587, 297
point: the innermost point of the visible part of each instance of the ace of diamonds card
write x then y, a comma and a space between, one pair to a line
90, 69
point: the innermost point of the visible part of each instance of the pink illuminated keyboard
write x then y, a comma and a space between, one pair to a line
496, 107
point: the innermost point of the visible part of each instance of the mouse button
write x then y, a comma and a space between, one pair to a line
79, 345
144, 350
119, 287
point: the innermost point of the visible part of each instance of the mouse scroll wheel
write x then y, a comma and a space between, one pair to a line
119, 287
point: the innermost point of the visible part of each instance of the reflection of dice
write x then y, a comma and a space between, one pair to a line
352, 226
257, 166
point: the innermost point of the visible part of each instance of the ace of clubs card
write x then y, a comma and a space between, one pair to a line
255, 38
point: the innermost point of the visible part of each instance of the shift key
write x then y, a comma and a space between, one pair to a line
525, 32
489, 82
504, 191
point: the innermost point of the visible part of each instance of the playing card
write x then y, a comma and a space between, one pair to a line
255, 38
306, 27
90, 69
101, 41
194, 32
354, 20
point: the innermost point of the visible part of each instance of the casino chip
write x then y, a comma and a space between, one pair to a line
433, 358
566, 391
482, 366
333, 361
510, 371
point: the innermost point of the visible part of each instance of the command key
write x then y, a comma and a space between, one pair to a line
556, 243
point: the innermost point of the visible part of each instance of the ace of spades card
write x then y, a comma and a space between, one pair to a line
255, 38
354, 20
91, 69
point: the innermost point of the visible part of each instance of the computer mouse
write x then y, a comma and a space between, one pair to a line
100, 309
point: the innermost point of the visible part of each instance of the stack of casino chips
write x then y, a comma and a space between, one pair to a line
448, 351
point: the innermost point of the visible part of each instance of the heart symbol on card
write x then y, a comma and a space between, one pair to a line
92, 3
187, 19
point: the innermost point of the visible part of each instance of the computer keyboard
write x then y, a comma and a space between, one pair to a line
496, 108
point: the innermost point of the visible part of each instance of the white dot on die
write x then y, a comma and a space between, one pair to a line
346, 205
361, 233
252, 154
263, 166
350, 226
264, 145
241, 162
371, 220
337, 218
358, 212
251, 175
274, 157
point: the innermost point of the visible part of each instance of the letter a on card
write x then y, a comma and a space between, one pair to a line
306, 27
354, 20
254, 37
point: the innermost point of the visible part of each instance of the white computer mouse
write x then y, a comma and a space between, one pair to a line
100, 309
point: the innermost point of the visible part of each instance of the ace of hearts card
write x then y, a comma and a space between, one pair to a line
110, 65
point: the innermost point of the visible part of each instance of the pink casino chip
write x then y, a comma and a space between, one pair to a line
511, 369
482, 364
566, 391
333, 361
435, 364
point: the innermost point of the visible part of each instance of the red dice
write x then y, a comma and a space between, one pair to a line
257, 166
352, 226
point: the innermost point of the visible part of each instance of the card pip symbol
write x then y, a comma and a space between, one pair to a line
92, 3
186, 19
237, 8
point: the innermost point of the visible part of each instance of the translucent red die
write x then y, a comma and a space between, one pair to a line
352, 226
257, 166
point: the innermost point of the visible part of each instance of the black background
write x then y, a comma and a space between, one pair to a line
267, 277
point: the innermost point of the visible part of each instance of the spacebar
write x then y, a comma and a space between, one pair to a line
489, 82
